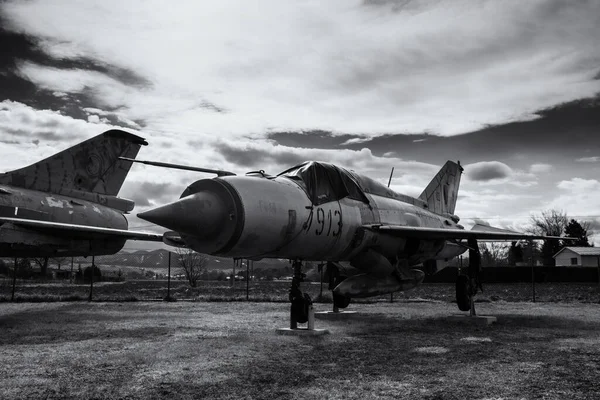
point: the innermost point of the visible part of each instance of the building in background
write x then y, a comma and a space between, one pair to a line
578, 257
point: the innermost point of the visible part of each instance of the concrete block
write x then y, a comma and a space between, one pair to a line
302, 332
335, 315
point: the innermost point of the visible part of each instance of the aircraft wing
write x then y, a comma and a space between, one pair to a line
480, 232
82, 230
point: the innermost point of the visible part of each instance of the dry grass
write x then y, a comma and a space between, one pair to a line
230, 350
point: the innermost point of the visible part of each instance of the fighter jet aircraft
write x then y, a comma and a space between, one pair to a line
318, 211
67, 204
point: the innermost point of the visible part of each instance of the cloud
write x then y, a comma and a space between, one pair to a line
355, 141
258, 154
579, 186
594, 159
540, 168
20, 120
306, 67
488, 170
149, 193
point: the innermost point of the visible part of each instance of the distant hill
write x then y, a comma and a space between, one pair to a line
159, 260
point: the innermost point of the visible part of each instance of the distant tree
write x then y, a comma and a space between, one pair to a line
42, 262
515, 254
493, 254
4, 268
549, 223
221, 276
575, 230
191, 264
60, 261
87, 273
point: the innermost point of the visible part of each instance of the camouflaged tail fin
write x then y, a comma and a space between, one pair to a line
442, 192
90, 166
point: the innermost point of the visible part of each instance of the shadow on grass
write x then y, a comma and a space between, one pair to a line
69, 323
517, 321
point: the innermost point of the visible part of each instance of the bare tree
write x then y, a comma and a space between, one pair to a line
191, 263
42, 262
60, 261
493, 254
550, 223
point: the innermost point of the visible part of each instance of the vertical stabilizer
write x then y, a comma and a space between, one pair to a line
90, 166
442, 192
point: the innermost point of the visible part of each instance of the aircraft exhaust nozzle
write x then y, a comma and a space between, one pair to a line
200, 215
365, 285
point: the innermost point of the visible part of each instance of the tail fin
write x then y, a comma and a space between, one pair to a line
442, 192
90, 166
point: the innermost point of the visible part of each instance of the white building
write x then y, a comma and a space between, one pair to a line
578, 257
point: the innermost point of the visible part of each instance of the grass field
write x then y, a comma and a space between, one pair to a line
227, 350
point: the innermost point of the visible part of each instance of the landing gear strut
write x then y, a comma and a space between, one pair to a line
301, 309
468, 285
301, 303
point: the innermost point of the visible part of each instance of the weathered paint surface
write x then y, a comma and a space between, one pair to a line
91, 166
75, 186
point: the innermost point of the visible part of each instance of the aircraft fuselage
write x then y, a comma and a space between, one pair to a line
254, 217
17, 241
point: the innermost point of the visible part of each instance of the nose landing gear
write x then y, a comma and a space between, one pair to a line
301, 303
468, 285
301, 309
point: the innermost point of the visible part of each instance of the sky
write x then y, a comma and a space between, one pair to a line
509, 88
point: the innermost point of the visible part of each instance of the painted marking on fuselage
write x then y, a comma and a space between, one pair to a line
328, 224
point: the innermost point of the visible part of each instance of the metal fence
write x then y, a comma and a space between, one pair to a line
158, 275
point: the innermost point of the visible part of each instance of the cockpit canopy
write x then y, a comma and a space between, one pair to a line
325, 182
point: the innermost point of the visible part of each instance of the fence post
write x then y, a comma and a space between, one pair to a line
320, 267
12, 296
92, 279
247, 279
233, 276
169, 279
598, 262
532, 271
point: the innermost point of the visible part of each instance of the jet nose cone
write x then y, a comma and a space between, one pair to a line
200, 215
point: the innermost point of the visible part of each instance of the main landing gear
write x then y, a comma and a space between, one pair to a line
301, 309
468, 284
334, 279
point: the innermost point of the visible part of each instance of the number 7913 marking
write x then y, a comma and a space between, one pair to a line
325, 222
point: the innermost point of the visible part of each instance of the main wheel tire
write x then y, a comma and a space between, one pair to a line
341, 301
462, 293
